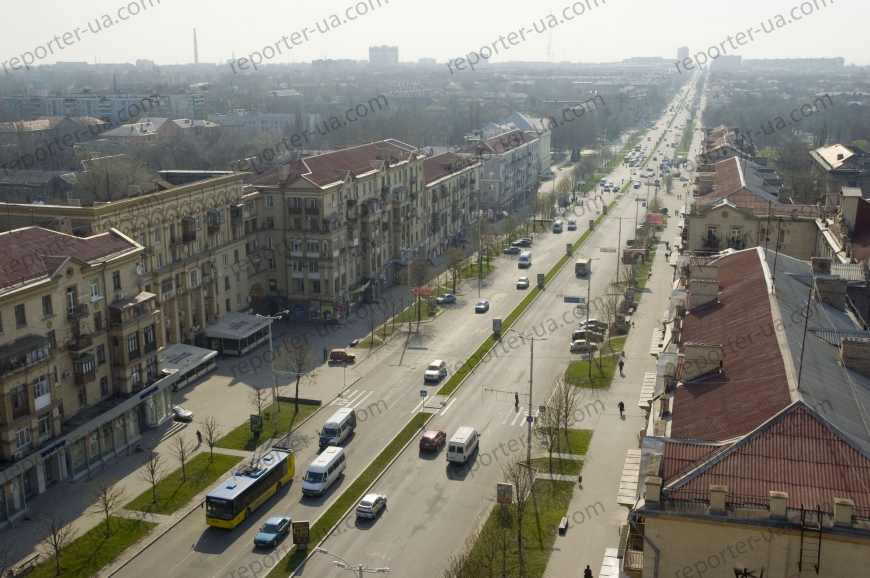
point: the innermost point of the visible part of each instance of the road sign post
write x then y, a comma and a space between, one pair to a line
423, 393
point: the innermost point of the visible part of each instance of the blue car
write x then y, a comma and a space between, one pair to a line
272, 530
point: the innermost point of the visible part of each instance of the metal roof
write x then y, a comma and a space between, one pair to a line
245, 477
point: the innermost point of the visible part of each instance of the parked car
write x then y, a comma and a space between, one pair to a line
594, 325
432, 440
588, 335
272, 530
371, 505
182, 414
482, 306
446, 298
341, 356
523, 283
582, 345
524, 242
512, 251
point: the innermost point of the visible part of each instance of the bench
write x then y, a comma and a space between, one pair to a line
563, 525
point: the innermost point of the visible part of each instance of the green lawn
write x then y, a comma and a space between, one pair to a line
560, 466
547, 505
578, 372
172, 493
372, 342
91, 551
577, 441
241, 437
351, 495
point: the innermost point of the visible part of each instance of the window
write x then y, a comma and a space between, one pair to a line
784, 236
297, 266
297, 202
315, 286
133, 345
238, 277
238, 299
151, 366
20, 316
157, 236
159, 260
235, 255
270, 243
40, 386
312, 203
269, 201
98, 321
297, 245
313, 246
226, 259
101, 354
312, 224
199, 223
298, 286
116, 280
136, 375
52, 340
95, 287
313, 267
18, 397
194, 277
273, 264
226, 283
46, 306
148, 338
712, 231
82, 396
736, 233
297, 223
104, 386
44, 425
23, 436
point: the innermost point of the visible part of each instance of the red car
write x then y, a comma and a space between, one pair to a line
432, 440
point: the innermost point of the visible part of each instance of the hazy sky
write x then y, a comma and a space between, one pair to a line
443, 29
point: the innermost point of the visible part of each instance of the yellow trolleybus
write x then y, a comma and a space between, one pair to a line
251, 485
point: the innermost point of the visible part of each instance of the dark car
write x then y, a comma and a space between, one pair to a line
182, 414
522, 243
482, 306
272, 530
432, 440
341, 356
512, 251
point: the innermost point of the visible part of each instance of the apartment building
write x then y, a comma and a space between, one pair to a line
108, 107
345, 223
256, 122
450, 200
509, 170
756, 428
383, 56
839, 166
70, 351
740, 204
192, 229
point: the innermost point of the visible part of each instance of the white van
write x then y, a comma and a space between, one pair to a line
323, 471
338, 427
525, 260
462, 444
572, 224
557, 227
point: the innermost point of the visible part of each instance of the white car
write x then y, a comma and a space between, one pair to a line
436, 370
581, 345
523, 283
371, 505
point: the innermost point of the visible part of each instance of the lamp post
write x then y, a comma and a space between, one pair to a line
410, 285
345, 565
529, 418
273, 384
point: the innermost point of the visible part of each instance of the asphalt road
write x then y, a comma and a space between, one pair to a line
429, 503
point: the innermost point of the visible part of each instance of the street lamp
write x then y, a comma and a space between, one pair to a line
410, 285
345, 565
529, 418
274, 385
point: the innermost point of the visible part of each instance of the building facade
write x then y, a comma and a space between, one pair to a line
383, 56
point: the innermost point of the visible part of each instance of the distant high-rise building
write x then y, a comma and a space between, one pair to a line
682, 53
383, 56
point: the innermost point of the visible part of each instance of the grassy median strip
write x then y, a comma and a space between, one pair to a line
351, 495
173, 493
91, 551
563, 467
578, 372
241, 438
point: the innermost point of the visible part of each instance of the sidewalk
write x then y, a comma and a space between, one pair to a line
587, 539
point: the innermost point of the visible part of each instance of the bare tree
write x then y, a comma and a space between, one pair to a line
373, 316
518, 474
55, 535
565, 399
211, 429
547, 424
182, 450
301, 362
258, 396
455, 259
628, 272
110, 500
509, 226
153, 471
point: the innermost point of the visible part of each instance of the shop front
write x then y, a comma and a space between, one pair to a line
237, 333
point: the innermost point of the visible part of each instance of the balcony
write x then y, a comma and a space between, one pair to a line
213, 228
312, 211
188, 236
20, 411
84, 369
175, 241
148, 251
77, 311
710, 243
294, 210
80, 344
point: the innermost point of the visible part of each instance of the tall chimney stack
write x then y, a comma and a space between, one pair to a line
195, 50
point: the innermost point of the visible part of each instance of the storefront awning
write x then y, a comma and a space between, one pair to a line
235, 325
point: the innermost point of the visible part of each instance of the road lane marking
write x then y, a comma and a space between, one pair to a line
519, 413
422, 401
360, 400
449, 405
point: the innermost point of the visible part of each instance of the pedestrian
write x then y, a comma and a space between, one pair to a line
621, 408
516, 399
325, 354
198, 438
621, 365
587, 573
580, 480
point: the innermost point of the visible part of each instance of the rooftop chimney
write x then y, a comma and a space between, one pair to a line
831, 290
778, 503
717, 497
821, 266
653, 489
283, 172
843, 511
783, 195
855, 354
701, 359
702, 292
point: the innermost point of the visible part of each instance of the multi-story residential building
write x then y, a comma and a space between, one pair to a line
539, 128
113, 108
739, 205
756, 424
450, 199
152, 130
257, 122
383, 56
346, 220
839, 166
193, 230
682, 53
509, 171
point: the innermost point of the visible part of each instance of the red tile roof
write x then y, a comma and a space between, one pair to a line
797, 452
440, 166
32, 253
499, 144
752, 386
329, 168
746, 199
680, 457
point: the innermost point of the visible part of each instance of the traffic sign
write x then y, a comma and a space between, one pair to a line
608, 249
569, 299
423, 393
542, 408
301, 532
530, 419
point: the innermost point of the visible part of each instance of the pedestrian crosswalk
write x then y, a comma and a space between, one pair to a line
517, 417
352, 399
